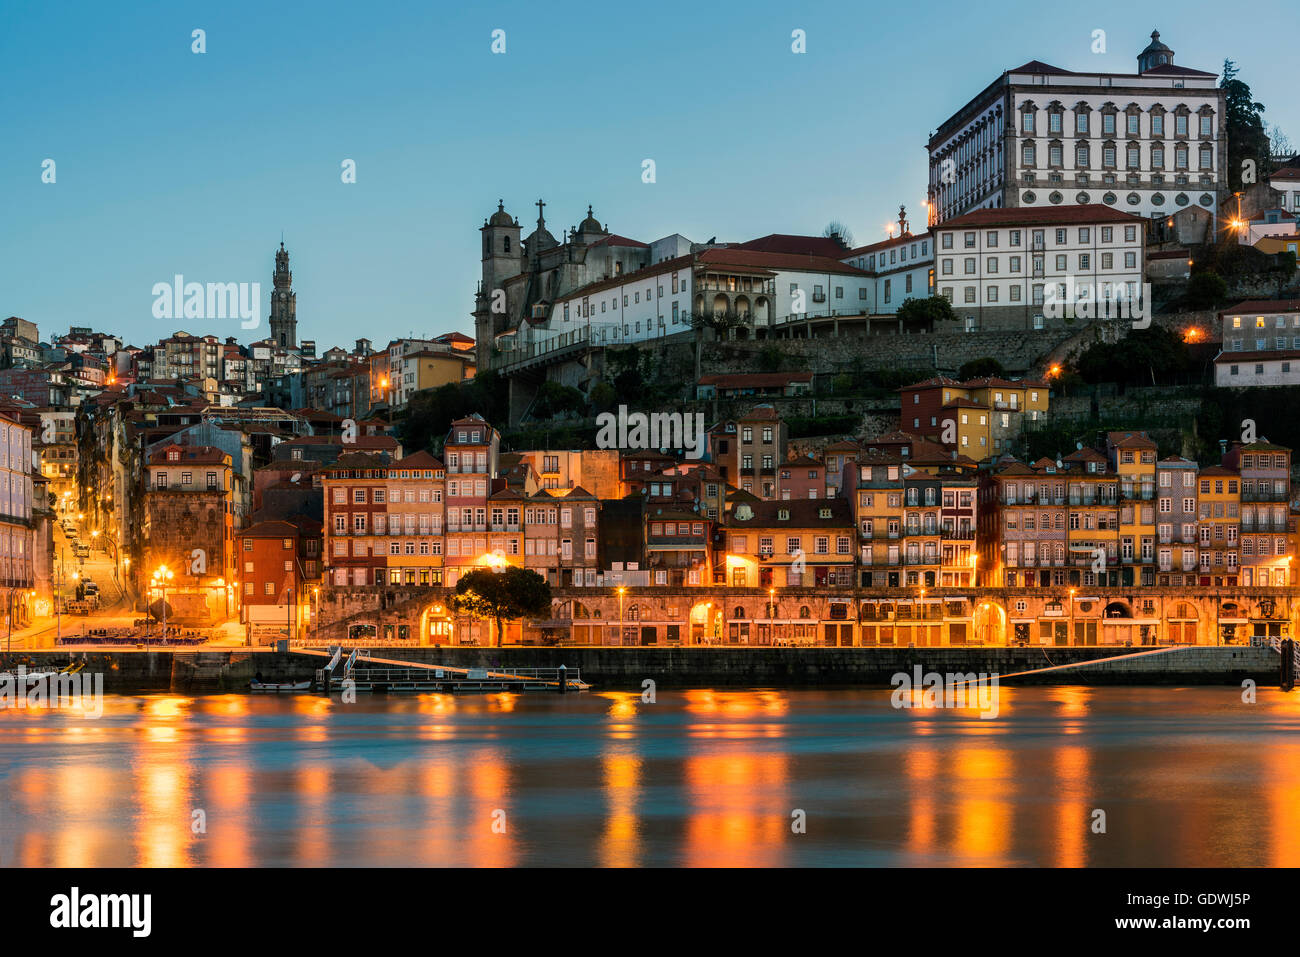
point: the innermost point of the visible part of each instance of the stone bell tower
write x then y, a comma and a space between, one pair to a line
284, 303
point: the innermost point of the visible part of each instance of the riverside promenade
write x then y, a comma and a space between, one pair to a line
210, 669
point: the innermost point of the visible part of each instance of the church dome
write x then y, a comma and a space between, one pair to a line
501, 217
1156, 54
590, 224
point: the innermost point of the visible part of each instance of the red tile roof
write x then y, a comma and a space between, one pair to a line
765, 260
1263, 306
798, 245
1046, 216
756, 380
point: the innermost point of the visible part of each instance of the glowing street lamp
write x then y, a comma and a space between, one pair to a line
621, 592
161, 576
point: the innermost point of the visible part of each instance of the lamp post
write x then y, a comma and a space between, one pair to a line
161, 577
1071, 614
621, 590
771, 614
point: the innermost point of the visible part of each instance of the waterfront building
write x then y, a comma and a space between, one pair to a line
1092, 542
355, 497
1176, 517
1260, 344
782, 544
1219, 500
1039, 136
562, 532
18, 544
1265, 471
470, 453
279, 571
189, 528
413, 520
1132, 456
873, 485
678, 546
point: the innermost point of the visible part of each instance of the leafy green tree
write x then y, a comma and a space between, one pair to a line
1206, 289
502, 596
1144, 356
555, 400
980, 368
1247, 136
604, 397
430, 412
931, 310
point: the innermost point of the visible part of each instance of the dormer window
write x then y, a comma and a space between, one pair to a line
783, 515
823, 513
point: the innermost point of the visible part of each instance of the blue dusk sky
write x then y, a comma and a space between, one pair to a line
169, 162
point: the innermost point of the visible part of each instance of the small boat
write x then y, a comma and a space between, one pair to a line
286, 687
27, 678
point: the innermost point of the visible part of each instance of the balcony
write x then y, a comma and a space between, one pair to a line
1264, 495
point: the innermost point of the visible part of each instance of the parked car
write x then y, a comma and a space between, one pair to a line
82, 551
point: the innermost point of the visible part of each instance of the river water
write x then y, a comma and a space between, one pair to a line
1184, 776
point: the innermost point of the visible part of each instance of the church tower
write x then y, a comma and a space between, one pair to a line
502, 260
284, 303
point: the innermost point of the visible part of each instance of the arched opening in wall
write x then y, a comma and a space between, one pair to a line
705, 623
1234, 623
1181, 626
699, 305
436, 626
742, 307
1117, 609
988, 624
719, 305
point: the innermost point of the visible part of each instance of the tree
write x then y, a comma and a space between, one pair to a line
836, 228
933, 309
504, 595
1279, 143
555, 400
1206, 289
981, 367
1247, 138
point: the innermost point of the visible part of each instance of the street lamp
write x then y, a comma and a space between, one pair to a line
1071, 614
621, 591
161, 576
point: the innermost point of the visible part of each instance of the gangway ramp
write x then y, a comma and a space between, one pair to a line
370, 673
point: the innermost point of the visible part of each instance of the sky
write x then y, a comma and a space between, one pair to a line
168, 161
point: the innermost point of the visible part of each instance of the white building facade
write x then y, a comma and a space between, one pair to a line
1007, 268
1148, 143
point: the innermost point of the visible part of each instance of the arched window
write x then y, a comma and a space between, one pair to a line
506, 244
739, 612
804, 612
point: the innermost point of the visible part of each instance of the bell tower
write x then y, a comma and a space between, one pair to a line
284, 303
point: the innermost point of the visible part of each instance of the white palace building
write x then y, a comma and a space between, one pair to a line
1148, 143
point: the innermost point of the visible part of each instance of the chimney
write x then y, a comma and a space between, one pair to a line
1223, 447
